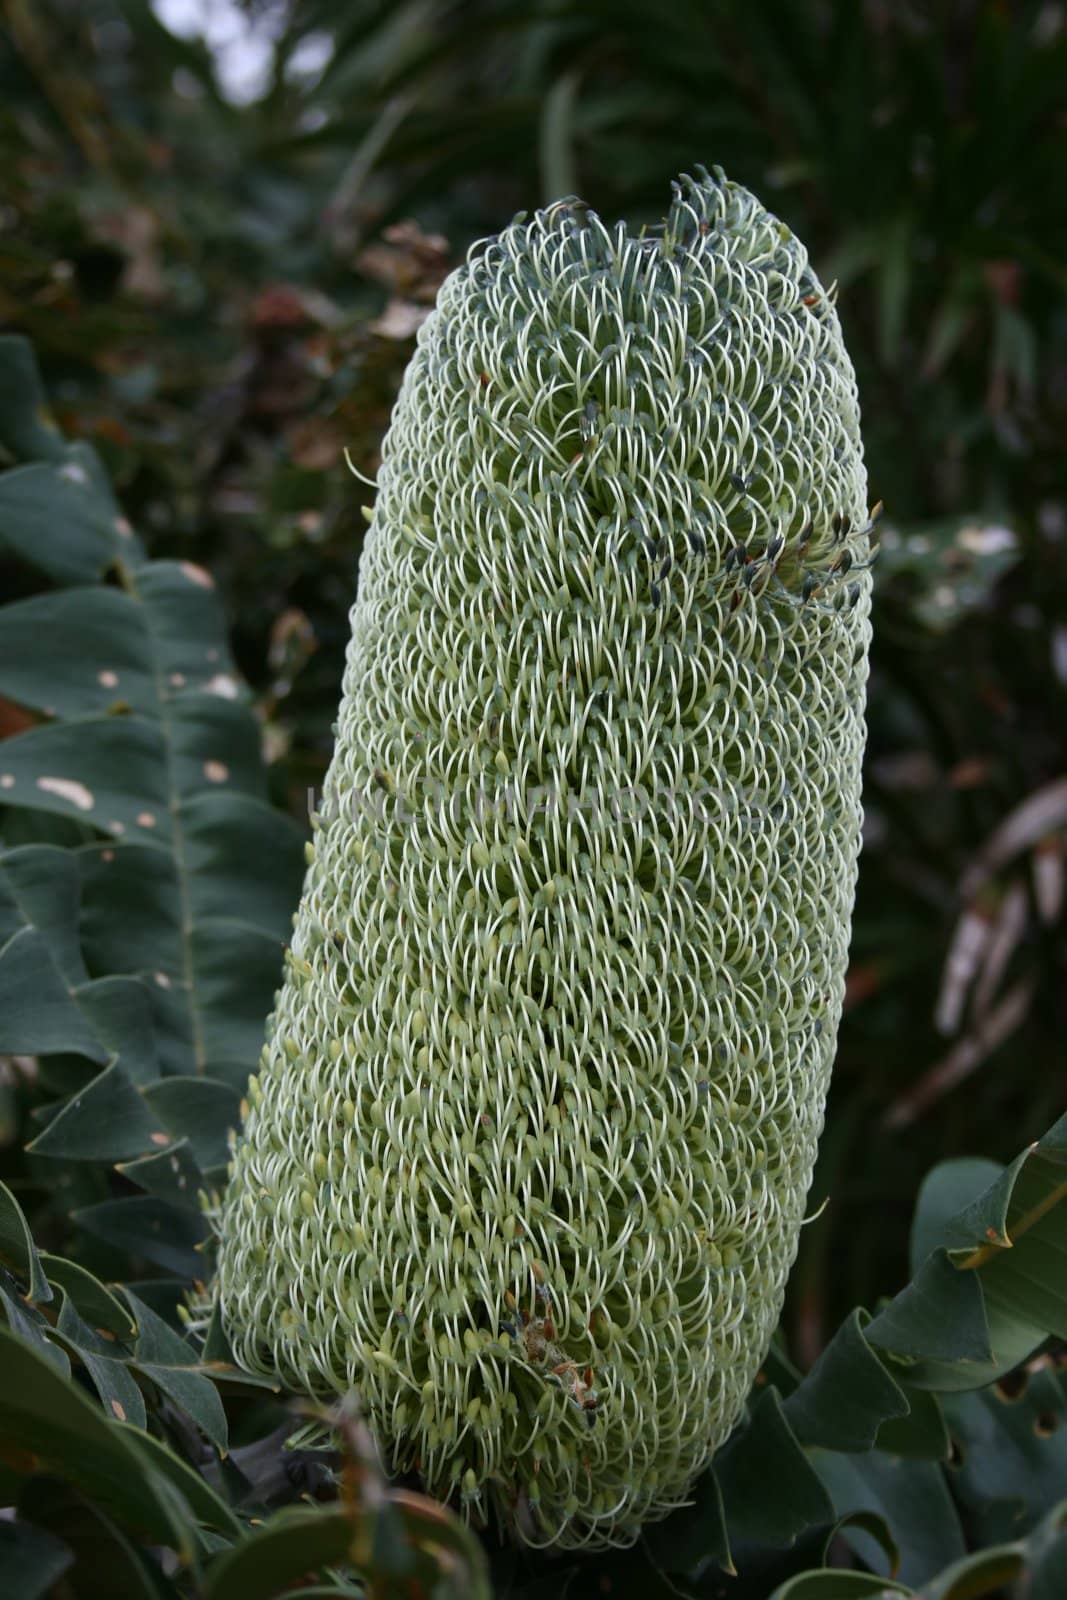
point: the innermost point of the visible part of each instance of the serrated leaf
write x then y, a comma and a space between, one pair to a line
1012, 1452
122, 1012
26, 1323
107, 771
182, 909
90, 1298
200, 1111
119, 1394
106, 1121
938, 1318
922, 1434
105, 659
164, 1357
910, 1497
974, 1313
130, 915
847, 1395
155, 1229
171, 1173
945, 1193
770, 1492
38, 1013
40, 888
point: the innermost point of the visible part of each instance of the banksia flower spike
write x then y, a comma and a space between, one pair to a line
528, 1152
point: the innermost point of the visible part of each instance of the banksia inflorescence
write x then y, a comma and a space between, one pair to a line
528, 1152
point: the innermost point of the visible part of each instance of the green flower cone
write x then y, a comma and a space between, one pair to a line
527, 1156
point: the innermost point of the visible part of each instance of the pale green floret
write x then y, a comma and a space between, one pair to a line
530, 1145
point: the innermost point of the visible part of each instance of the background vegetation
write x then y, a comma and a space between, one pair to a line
221, 278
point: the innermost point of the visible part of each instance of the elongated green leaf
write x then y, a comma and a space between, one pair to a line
938, 1324
171, 1174
294, 1544
979, 1307
63, 1432
106, 659
109, 771
1011, 1454
829, 1584
27, 429
18, 1249
106, 1563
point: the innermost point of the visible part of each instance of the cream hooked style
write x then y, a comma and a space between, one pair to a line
528, 1150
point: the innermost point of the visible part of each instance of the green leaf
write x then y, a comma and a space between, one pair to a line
27, 1324
694, 1537
105, 1121
983, 1574
105, 659
826, 1583
847, 1395
27, 430
150, 1227
164, 1357
170, 1174
199, 1111
109, 771
770, 1492
947, 1193
910, 1497
1011, 1452
106, 1564
40, 888
53, 517
976, 1311
89, 1297
119, 1394
938, 1325
31, 1561
294, 1544
63, 1432
18, 1249
38, 1013
922, 1434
